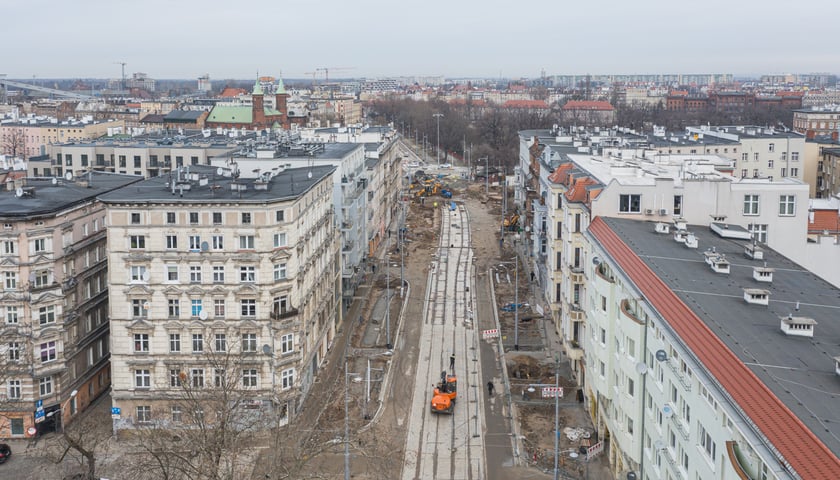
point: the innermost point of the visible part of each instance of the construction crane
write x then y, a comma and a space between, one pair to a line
326, 71
122, 85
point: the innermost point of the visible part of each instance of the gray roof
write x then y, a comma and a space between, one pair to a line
798, 370
286, 185
188, 116
43, 198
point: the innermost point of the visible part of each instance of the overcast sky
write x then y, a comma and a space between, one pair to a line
455, 38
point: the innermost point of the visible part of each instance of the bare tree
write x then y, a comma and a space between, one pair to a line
80, 445
14, 142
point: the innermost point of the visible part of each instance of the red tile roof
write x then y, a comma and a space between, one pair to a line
232, 92
588, 105
524, 104
824, 220
808, 456
559, 174
578, 193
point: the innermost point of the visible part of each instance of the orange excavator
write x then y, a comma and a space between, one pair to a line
443, 400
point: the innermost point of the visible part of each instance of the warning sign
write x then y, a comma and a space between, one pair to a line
492, 333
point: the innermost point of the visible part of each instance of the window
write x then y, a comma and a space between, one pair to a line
787, 205
287, 343
706, 442
249, 377
630, 425
794, 156
48, 352
39, 245
678, 205
195, 243
772, 147
144, 413
12, 315
219, 377
195, 273
197, 375
141, 342
9, 247
794, 172
249, 342
246, 242
219, 308
218, 242
744, 173
171, 242
14, 351
197, 342
759, 232
45, 386
279, 271
221, 342
602, 369
631, 387
142, 378
755, 156
249, 307
745, 157
10, 281
135, 218
177, 415
247, 274
279, 240
172, 273
770, 164
137, 241
170, 218
784, 156
174, 307
783, 172
287, 378
750, 204
246, 218
195, 307
217, 218
138, 274
280, 305
46, 315
175, 342
603, 337
193, 218
278, 216
218, 274
630, 203
137, 308
14, 389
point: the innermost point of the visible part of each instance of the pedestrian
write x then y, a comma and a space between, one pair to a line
490, 387
452, 362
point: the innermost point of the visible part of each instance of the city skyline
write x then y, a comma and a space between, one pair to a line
188, 39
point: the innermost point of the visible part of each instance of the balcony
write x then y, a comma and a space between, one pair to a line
574, 350
284, 314
576, 314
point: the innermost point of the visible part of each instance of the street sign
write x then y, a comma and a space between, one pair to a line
551, 392
115, 413
39, 415
491, 333
39, 404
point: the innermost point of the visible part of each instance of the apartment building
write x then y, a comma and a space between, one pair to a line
705, 362
822, 120
31, 137
206, 264
147, 157
54, 299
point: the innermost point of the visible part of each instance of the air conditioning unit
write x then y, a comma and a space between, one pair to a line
648, 211
663, 212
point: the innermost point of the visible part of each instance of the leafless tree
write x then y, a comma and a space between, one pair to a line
80, 445
14, 142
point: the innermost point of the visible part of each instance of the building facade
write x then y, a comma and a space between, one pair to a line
208, 266
54, 300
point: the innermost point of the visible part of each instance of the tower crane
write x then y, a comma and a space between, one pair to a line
122, 85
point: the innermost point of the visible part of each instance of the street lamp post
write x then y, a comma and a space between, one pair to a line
346, 424
437, 117
61, 410
388, 292
516, 305
556, 416
486, 174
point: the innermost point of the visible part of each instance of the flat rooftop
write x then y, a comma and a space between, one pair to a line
47, 196
798, 370
286, 185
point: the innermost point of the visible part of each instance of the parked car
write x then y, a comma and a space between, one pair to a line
5, 452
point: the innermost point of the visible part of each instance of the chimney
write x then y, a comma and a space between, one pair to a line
810, 134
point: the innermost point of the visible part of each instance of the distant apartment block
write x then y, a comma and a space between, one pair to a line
32, 136
816, 121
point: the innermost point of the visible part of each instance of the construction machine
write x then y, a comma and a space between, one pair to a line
445, 392
511, 222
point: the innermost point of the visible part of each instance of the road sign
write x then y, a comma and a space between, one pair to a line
39, 415
551, 392
32, 431
115, 413
39, 404
492, 333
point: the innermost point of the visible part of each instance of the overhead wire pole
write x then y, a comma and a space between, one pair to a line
388, 292
437, 116
516, 302
556, 416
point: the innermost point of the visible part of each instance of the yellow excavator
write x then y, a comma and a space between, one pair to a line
511, 222
445, 393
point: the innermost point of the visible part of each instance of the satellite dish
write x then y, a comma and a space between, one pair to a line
667, 411
202, 314
220, 171
661, 355
596, 261
641, 368
266, 349
54, 181
205, 246
68, 176
309, 174
19, 192
146, 276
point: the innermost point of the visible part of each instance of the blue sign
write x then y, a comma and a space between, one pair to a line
39, 415
115, 410
39, 404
